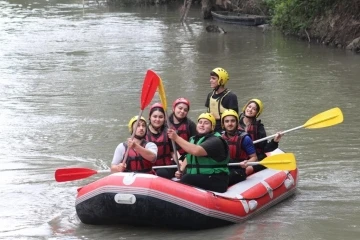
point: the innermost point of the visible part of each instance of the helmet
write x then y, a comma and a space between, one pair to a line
223, 75
258, 102
229, 112
209, 117
132, 120
156, 105
181, 100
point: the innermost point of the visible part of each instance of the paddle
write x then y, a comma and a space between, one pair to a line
325, 119
164, 103
151, 82
285, 161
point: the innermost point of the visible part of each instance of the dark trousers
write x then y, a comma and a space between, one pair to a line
237, 174
168, 173
216, 182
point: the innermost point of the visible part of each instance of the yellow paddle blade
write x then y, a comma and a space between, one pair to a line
285, 161
325, 119
162, 94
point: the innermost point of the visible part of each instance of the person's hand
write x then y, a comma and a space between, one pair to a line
172, 134
178, 174
243, 164
121, 167
278, 137
131, 143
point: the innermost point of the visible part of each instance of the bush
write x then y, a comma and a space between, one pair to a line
296, 15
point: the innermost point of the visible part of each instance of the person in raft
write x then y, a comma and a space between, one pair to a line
141, 155
220, 98
157, 133
179, 121
207, 157
249, 122
241, 146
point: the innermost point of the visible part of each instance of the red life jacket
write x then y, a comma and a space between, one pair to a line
252, 130
184, 132
163, 143
237, 154
136, 163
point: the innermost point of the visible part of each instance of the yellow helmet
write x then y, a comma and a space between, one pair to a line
209, 117
229, 112
132, 120
222, 74
259, 104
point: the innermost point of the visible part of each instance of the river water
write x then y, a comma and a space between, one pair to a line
71, 79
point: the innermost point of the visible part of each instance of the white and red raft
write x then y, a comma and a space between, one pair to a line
147, 200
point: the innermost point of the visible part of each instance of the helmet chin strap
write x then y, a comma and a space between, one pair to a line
179, 120
217, 88
138, 137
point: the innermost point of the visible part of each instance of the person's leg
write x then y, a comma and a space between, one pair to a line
236, 175
216, 183
168, 173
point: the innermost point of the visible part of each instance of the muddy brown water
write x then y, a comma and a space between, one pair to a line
71, 79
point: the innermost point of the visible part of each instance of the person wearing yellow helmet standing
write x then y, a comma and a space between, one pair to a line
250, 123
207, 156
220, 98
141, 154
241, 146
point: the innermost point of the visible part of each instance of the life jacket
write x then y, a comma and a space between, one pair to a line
252, 130
237, 153
207, 165
163, 145
183, 130
136, 163
215, 106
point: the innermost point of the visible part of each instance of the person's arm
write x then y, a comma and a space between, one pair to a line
116, 165
188, 147
249, 148
230, 101
149, 152
207, 102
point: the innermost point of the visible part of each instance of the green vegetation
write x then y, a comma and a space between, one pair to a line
293, 16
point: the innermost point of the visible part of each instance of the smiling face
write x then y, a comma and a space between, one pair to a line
157, 119
214, 81
203, 126
251, 110
181, 110
141, 128
230, 123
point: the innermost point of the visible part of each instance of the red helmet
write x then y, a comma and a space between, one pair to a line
181, 100
156, 105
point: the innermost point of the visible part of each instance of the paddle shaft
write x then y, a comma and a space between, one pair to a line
173, 144
324, 119
229, 164
272, 136
132, 135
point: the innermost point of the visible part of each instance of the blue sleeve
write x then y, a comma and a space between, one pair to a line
247, 145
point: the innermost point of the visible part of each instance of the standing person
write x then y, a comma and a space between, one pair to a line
184, 126
207, 158
254, 127
157, 133
241, 146
141, 155
220, 98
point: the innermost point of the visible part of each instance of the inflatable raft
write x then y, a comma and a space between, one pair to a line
144, 199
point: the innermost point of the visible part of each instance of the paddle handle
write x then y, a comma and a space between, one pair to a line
132, 135
175, 166
272, 136
173, 144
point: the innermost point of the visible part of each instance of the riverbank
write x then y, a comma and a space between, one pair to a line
334, 23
